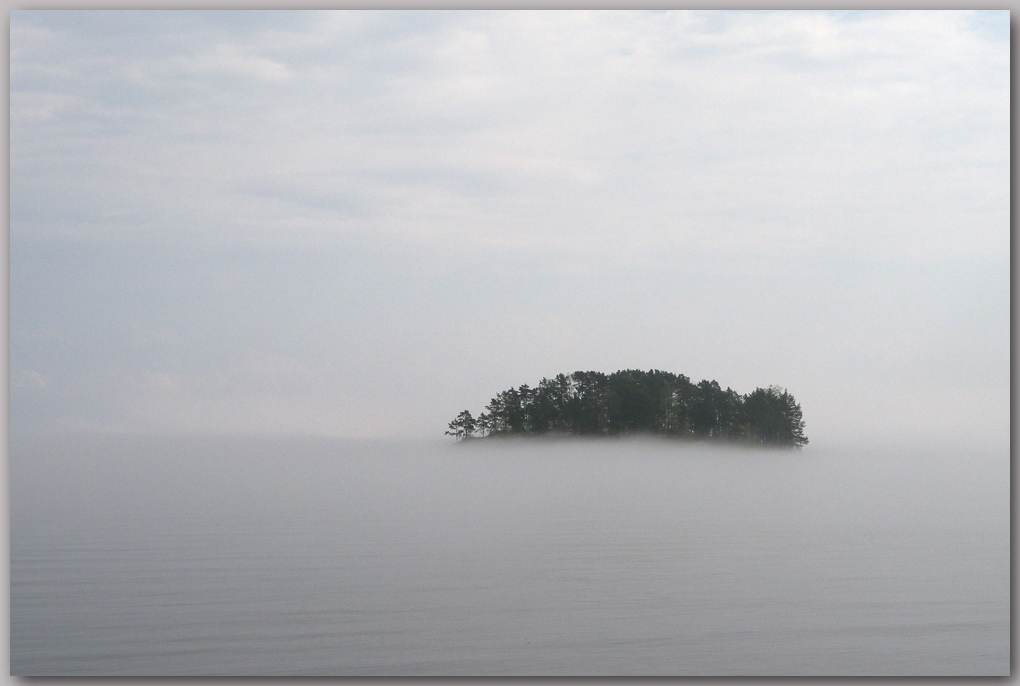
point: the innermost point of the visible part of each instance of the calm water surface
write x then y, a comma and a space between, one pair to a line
161, 556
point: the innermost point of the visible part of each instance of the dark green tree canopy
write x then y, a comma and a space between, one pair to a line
463, 426
632, 401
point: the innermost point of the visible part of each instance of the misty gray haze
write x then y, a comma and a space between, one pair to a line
323, 556
258, 260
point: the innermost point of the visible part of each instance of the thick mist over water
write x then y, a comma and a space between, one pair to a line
318, 556
333, 223
686, 485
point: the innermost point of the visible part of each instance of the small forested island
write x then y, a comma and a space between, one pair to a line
632, 401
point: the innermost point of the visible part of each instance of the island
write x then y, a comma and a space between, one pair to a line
634, 402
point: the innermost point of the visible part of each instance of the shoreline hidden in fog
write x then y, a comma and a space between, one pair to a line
632, 401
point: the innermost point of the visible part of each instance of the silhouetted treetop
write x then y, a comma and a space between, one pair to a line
632, 401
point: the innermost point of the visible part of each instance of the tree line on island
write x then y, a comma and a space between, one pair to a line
632, 401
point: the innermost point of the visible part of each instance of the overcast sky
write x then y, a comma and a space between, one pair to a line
361, 223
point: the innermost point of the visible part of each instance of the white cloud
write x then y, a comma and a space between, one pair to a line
232, 60
686, 129
26, 107
669, 163
31, 379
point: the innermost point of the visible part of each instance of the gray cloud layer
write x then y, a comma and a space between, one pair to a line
361, 222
